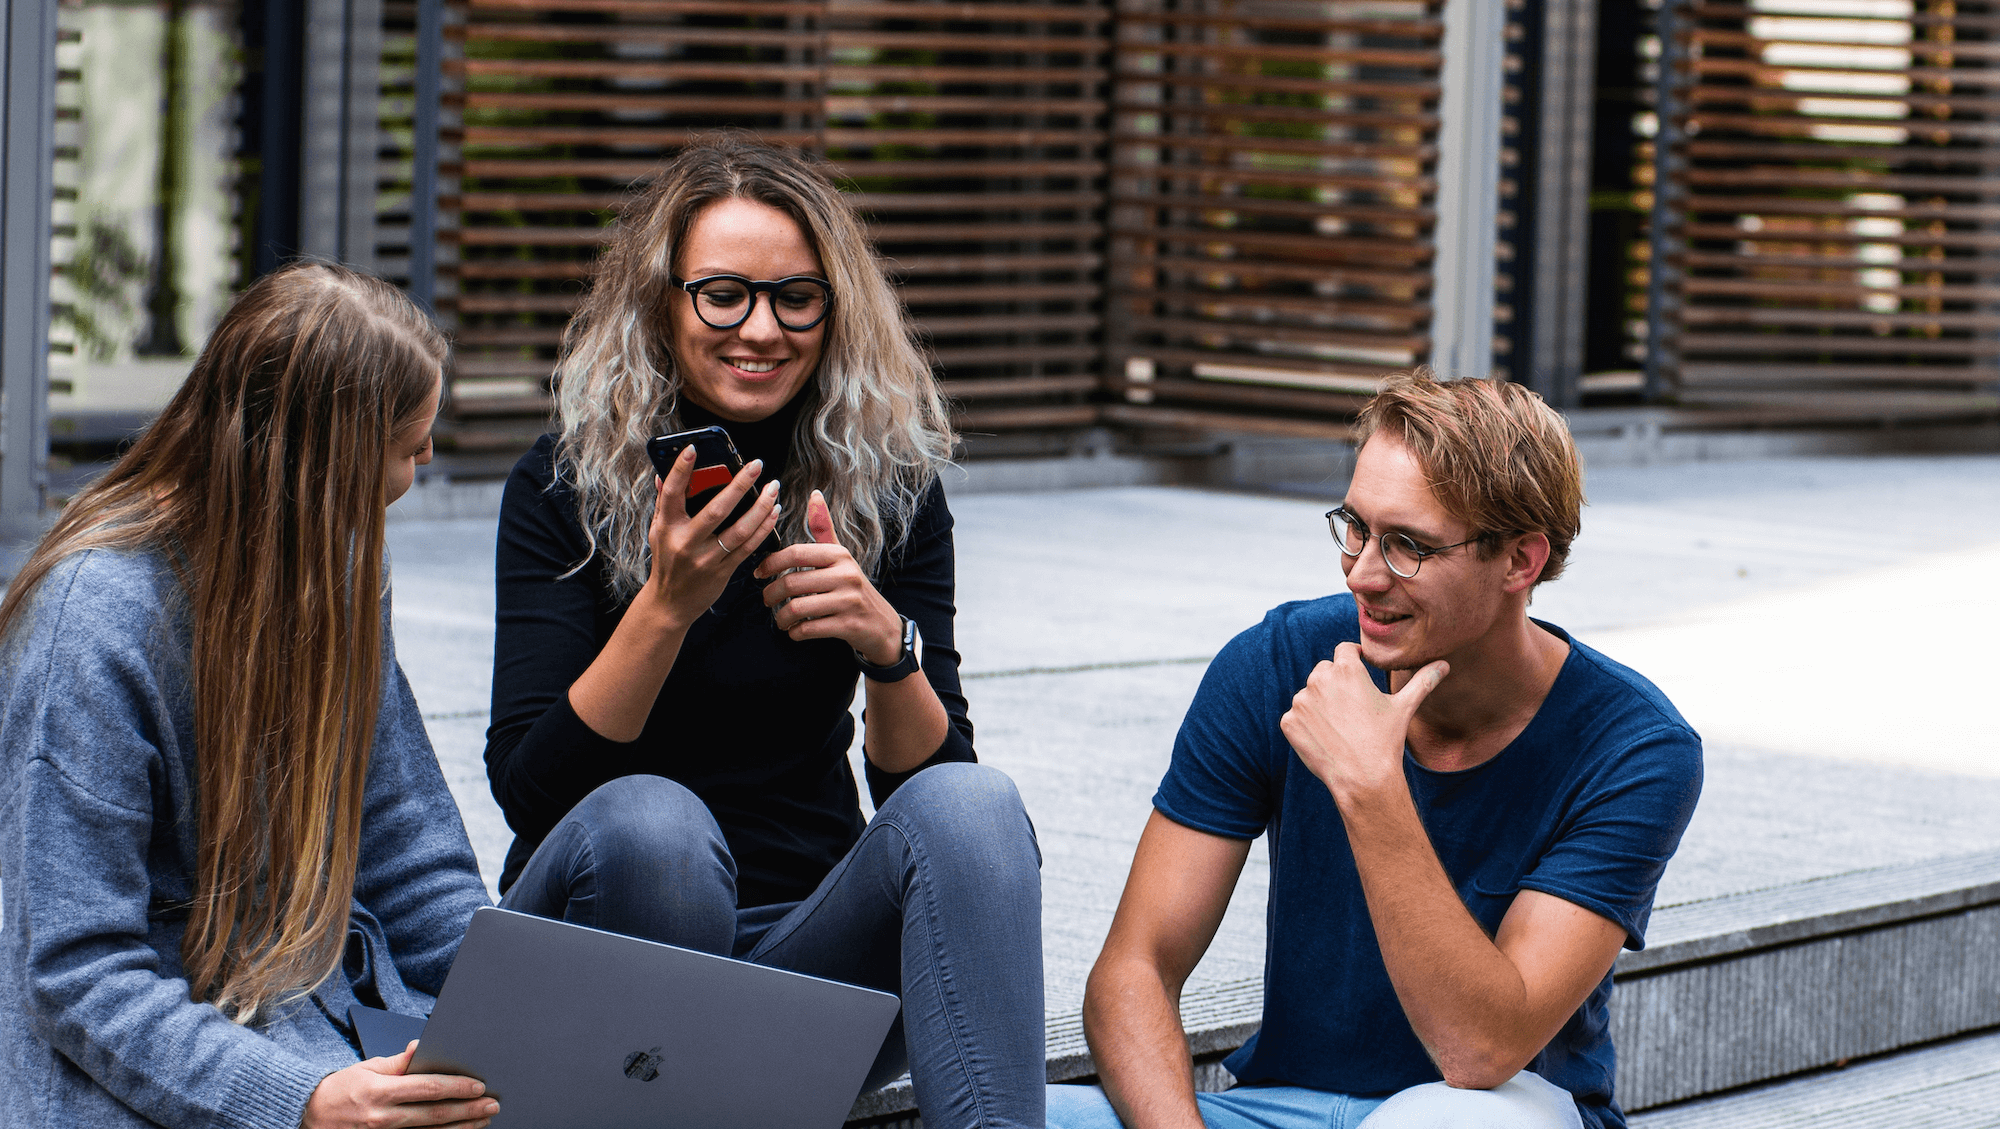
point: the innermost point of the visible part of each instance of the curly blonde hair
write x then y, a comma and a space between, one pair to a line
872, 433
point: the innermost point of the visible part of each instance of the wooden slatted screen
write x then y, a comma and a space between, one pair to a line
1272, 208
562, 105
973, 136
1838, 214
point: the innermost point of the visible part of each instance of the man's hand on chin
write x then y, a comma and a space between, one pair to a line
1349, 733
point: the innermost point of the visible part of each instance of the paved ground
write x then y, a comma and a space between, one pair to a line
1814, 618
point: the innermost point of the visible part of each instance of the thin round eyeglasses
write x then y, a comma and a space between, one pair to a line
1402, 553
725, 301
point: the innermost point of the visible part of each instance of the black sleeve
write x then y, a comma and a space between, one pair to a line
540, 757
918, 580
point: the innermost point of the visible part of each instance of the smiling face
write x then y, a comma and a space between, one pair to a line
746, 373
1456, 600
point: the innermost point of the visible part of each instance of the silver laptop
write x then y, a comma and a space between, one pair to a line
570, 1026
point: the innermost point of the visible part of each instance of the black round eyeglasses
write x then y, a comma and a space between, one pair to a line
725, 301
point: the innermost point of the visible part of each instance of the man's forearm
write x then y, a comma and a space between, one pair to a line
1134, 1028
1465, 998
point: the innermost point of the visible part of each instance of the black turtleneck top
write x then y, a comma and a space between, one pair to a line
753, 723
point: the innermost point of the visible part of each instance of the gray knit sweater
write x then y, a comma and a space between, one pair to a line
97, 850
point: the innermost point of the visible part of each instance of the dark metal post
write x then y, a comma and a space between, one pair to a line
1662, 276
424, 176
28, 154
1559, 272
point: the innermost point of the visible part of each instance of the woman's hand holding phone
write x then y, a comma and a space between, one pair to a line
694, 555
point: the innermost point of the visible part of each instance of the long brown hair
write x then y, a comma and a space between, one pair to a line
872, 434
262, 486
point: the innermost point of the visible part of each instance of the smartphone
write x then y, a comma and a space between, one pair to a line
716, 463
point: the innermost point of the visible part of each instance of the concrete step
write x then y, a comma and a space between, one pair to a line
1950, 1085
1730, 991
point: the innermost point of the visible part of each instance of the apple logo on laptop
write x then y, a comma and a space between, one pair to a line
643, 1066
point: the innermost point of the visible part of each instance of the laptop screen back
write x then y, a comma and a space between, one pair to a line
570, 1026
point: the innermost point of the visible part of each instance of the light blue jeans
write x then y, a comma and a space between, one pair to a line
1525, 1101
940, 901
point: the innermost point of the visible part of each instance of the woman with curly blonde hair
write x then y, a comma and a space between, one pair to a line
671, 690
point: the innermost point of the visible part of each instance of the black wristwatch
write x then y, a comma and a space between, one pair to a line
911, 662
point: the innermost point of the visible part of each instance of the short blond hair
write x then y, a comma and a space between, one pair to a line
1498, 458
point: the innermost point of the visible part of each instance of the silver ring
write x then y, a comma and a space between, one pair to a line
726, 550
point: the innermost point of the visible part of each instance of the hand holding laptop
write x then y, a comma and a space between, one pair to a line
379, 1091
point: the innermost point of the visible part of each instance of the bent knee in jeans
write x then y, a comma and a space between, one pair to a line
642, 856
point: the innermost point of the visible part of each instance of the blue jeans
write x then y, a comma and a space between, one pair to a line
1525, 1101
939, 901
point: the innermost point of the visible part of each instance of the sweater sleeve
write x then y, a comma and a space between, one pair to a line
541, 758
919, 580
416, 872
84, 775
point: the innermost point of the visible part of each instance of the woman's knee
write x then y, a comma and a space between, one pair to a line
649, 817
964, 805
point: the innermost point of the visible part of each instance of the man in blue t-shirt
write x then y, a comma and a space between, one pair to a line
1468, 812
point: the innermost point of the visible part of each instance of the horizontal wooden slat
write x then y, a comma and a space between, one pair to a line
1293, 246
957, 169
515, 268
995, 388
1782, 205
627, 136
1190, 357
1392, 119
1079, 43
475, 365
1917, 238
1135, 415
1213, 177
1255, 205
850, 105
655, 7
906, 265
1855, 179
1013, 419
982, 229
605, 101
633, 70
1838, 319
920, 296
513, 303
1247, 395
1717, 9
1806, 290
1267, 272
1137, 75
1770, 74
1009, 323
1919, 48
1785, 126
1133, 17
1183, 142
1772, 151
1825, 343
1710, 373
544, 31
1404, 313
1093, 14
997, 137
1267, 331
972, 355
966, 75
884, 203
1261, 52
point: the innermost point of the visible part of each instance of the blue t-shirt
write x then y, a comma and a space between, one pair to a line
1587, 805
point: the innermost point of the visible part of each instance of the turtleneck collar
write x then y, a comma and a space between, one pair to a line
769, 439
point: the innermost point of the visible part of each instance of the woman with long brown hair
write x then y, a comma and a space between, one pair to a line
671, 691
221, 823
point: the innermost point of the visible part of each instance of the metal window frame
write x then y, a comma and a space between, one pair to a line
27, 154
